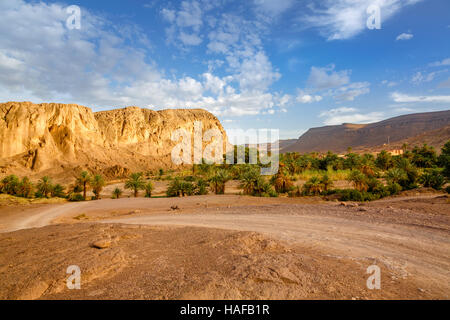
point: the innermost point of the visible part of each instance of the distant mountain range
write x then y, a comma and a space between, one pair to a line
414, 129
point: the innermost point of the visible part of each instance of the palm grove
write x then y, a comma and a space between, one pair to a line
372, 177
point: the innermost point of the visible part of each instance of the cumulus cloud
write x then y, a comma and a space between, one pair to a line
344, 19
389, 83
353, 90
420, 77
335, 83
404, 36
404, 98
98, 65
445, 62
306, 98
342, 115
327, 78
185, 23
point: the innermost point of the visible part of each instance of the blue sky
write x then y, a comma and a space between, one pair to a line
281, 64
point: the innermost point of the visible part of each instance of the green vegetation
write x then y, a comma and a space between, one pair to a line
148, 188
116, 193
97, 183
83, 180
372, 177
218, 180
135, 182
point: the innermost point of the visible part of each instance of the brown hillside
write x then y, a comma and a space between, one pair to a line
339, 138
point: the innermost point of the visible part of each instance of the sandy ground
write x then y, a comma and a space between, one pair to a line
227, 247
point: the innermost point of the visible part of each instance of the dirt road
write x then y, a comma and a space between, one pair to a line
409, 243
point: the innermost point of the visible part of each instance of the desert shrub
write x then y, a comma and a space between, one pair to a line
384, 160
218, 180
58, 191
38, 194
359, 180
201, 187
444, 160
45, 187
10, 185
174, 188
424, 157
189, 178
75, 197
25, 188
432, 178
355, 195
312, 187
395, 175
376, 188
282, 182
117, 192
447, 189
394, 188
296, 192
179, 188
326, 182
412, 174
253, 184
148, 188
187, 188
97, 183
263, 189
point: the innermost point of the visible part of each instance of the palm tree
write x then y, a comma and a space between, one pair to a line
148, 189
117, 193
326, 182
218, 181
282, 182
44, 186
396, 175
97, 183
58, 191
249, 182
83, 180
313, 186
10, 184
26, 188
359, 180
135, 182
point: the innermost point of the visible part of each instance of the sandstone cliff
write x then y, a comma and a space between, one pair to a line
57, 138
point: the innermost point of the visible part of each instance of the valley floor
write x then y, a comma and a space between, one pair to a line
227, 247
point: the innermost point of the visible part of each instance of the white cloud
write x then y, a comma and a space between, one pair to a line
306, 98
344, 19
327, 78
390, 84
41, 60
404, 36
419, 77
185, 23
353, 90
349, 115
404, 98
334, 83
445, 62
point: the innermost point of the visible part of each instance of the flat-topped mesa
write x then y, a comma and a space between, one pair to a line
47, 136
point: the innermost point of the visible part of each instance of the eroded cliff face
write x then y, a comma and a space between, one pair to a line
55, 138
